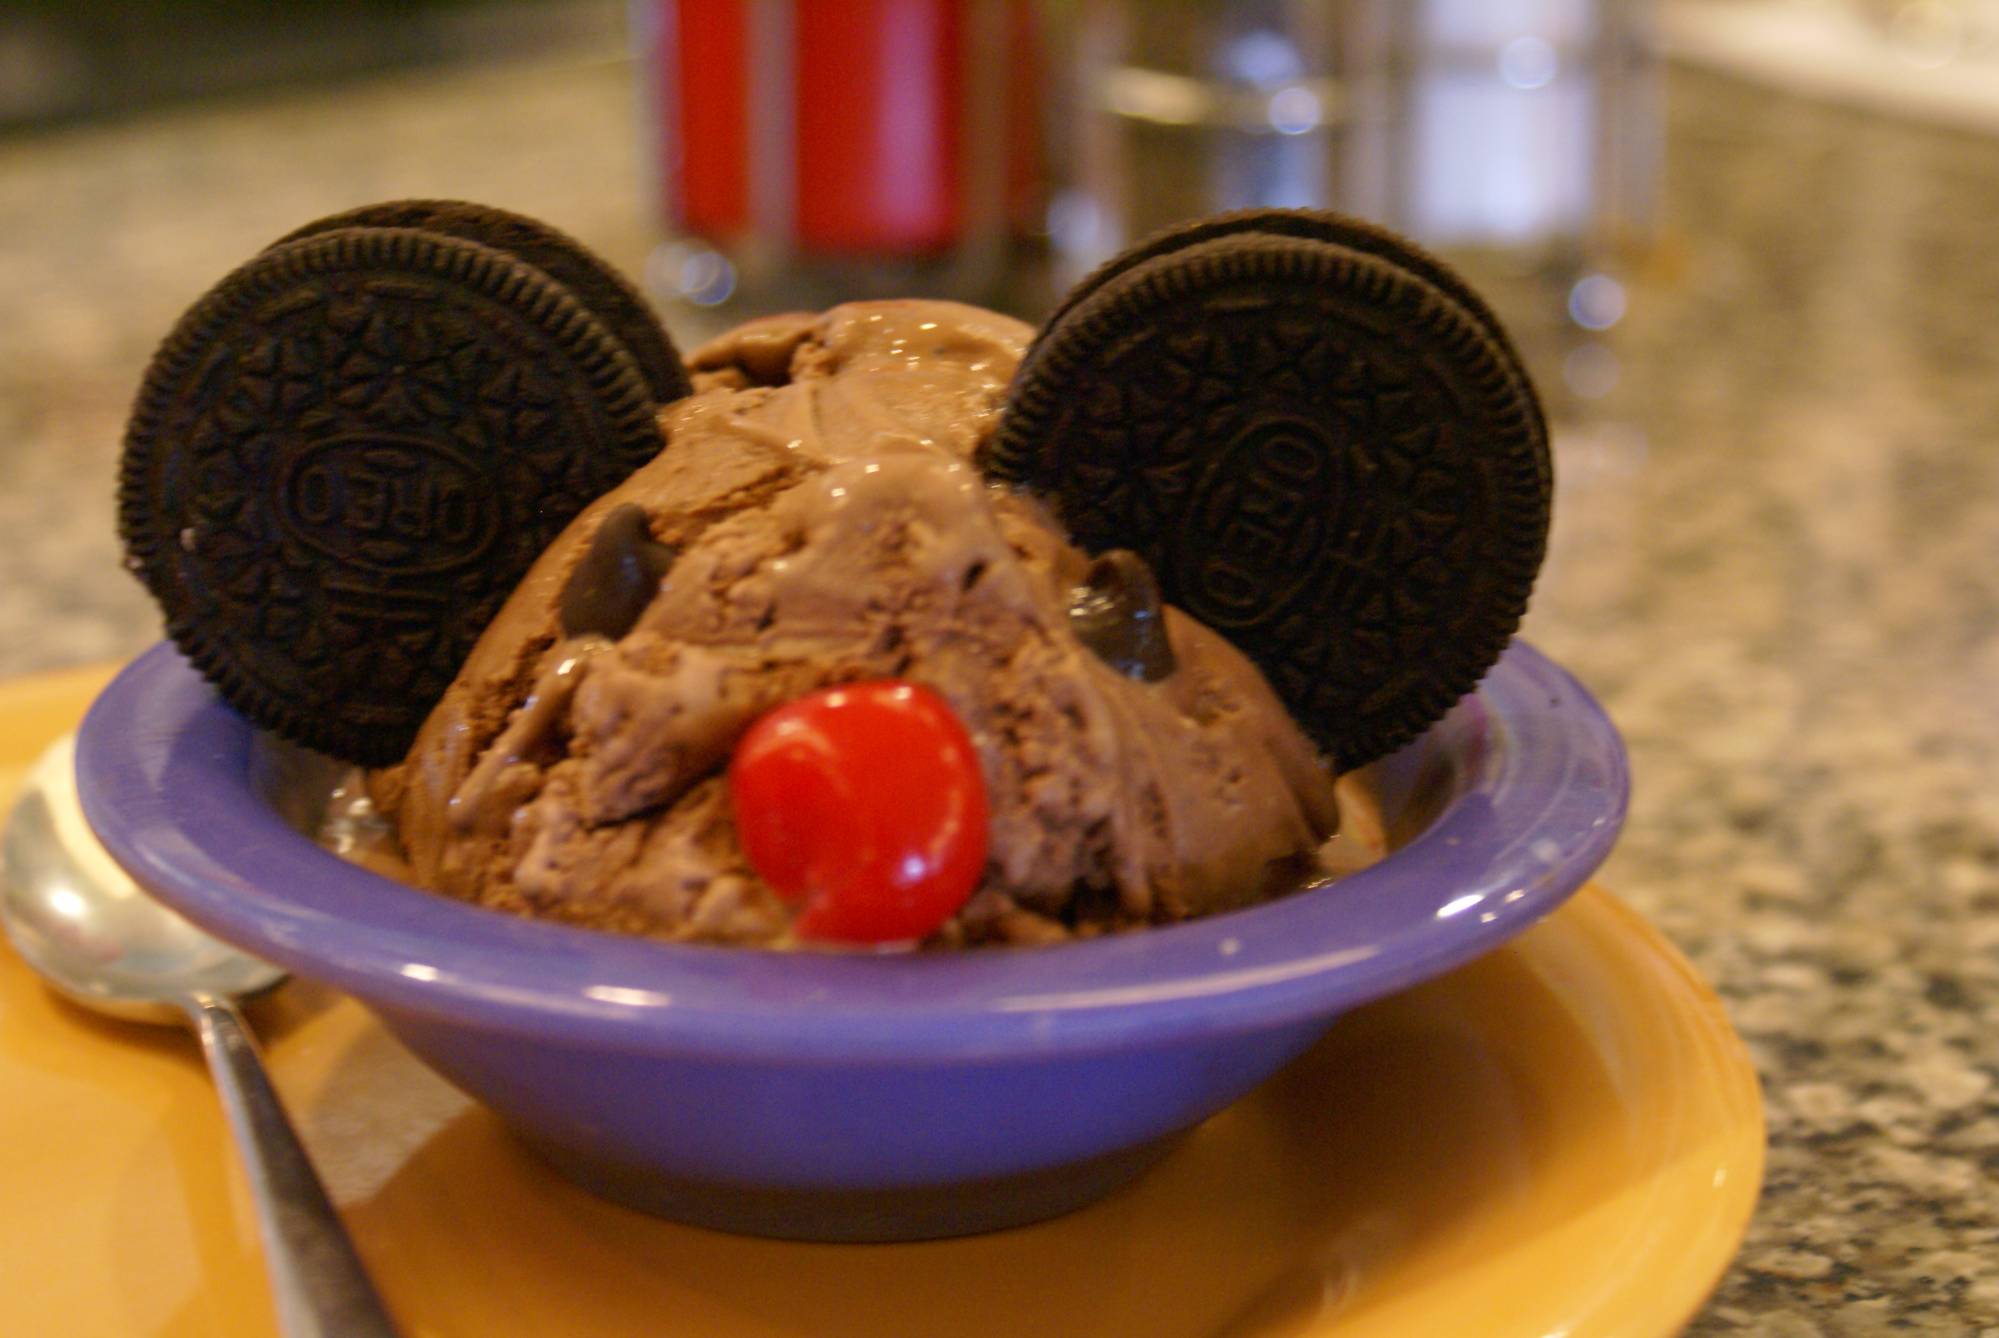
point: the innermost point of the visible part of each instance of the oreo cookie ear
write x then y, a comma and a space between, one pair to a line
1322, 454
345, 456
606, 294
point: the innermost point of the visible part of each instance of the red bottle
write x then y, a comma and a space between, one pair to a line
816, 132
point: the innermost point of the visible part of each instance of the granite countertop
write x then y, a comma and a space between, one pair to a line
1775, 561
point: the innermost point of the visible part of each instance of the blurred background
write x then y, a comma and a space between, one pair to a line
742, 156
1747, 248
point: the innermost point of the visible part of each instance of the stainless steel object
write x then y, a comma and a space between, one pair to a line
88, 929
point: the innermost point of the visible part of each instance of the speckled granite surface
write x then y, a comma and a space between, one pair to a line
1779, 566
1776, 560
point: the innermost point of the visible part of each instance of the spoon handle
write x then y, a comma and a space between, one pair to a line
322, 1291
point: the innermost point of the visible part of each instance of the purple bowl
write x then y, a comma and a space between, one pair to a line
850, 1096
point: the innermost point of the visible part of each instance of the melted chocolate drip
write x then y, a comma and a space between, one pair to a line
617, 577
1116, 613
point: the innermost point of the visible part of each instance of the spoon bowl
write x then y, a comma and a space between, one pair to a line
90, 931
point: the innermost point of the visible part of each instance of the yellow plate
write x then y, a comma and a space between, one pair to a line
1563, 1137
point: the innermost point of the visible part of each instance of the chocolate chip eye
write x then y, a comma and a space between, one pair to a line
1116, 613
617, 578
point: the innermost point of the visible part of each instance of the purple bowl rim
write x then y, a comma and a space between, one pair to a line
163, 769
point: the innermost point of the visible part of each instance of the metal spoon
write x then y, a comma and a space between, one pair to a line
88, 929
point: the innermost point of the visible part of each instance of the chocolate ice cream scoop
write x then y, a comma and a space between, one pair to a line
827, 527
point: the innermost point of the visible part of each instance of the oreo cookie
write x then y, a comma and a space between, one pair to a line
1322, 454
345, 456
604, 292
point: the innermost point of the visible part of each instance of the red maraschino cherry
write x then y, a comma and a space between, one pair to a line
865, 803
